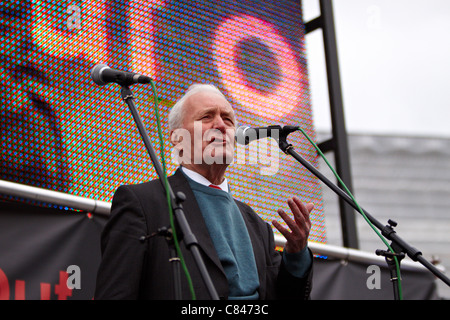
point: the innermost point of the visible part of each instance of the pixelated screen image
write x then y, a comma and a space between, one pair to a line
62, 132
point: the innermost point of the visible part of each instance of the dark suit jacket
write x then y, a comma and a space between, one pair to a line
135, 269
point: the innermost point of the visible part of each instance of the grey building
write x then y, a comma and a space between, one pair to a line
406, 179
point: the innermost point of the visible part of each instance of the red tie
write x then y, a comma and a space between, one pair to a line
215, 187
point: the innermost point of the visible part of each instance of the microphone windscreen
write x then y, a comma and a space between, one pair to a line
240, 135
96, 74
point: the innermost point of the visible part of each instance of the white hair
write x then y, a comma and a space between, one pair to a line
177, 113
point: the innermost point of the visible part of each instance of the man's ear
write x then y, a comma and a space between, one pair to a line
173, 138
177, 136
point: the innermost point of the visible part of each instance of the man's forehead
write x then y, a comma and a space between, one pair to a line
206, 100
217, 107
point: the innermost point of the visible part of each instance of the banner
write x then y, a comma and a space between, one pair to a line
336, 279
42, 250
52, 253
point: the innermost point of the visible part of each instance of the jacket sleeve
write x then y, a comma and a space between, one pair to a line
287, 286
119, 273
291, 287
277, 282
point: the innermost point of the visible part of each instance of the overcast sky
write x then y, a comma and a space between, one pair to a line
394, 60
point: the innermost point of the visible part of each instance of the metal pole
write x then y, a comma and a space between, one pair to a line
340, 143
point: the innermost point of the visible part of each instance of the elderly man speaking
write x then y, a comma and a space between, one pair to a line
237, 246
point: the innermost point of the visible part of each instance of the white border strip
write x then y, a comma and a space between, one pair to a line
54, 197
354, 255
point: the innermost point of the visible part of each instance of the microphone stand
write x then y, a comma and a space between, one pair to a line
399, 246
186, 233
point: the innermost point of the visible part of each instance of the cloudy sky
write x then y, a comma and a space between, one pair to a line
394, 60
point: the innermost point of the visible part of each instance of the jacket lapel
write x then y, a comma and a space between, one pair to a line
194, 217
198, 227
257, 244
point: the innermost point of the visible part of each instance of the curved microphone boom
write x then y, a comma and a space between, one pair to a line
101, 74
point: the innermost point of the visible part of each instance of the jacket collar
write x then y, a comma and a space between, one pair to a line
193, 215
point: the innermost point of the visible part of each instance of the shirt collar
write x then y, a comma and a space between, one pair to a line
202, 180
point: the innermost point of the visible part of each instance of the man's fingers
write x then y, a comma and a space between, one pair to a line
310, 207
299, 226
300, 212
286, 233
304, 209
289, 221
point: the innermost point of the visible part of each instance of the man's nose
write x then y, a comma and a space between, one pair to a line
219, 124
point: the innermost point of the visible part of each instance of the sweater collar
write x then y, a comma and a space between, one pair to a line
202, 180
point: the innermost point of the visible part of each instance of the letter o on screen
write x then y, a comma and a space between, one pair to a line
287, 94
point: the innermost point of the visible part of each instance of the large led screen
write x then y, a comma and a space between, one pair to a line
62, 132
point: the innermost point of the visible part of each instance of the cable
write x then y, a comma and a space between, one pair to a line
169, 202
359, 209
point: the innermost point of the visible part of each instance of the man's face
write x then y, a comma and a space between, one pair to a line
209, 120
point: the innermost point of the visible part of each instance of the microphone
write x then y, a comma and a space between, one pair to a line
102, 74
244, 135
